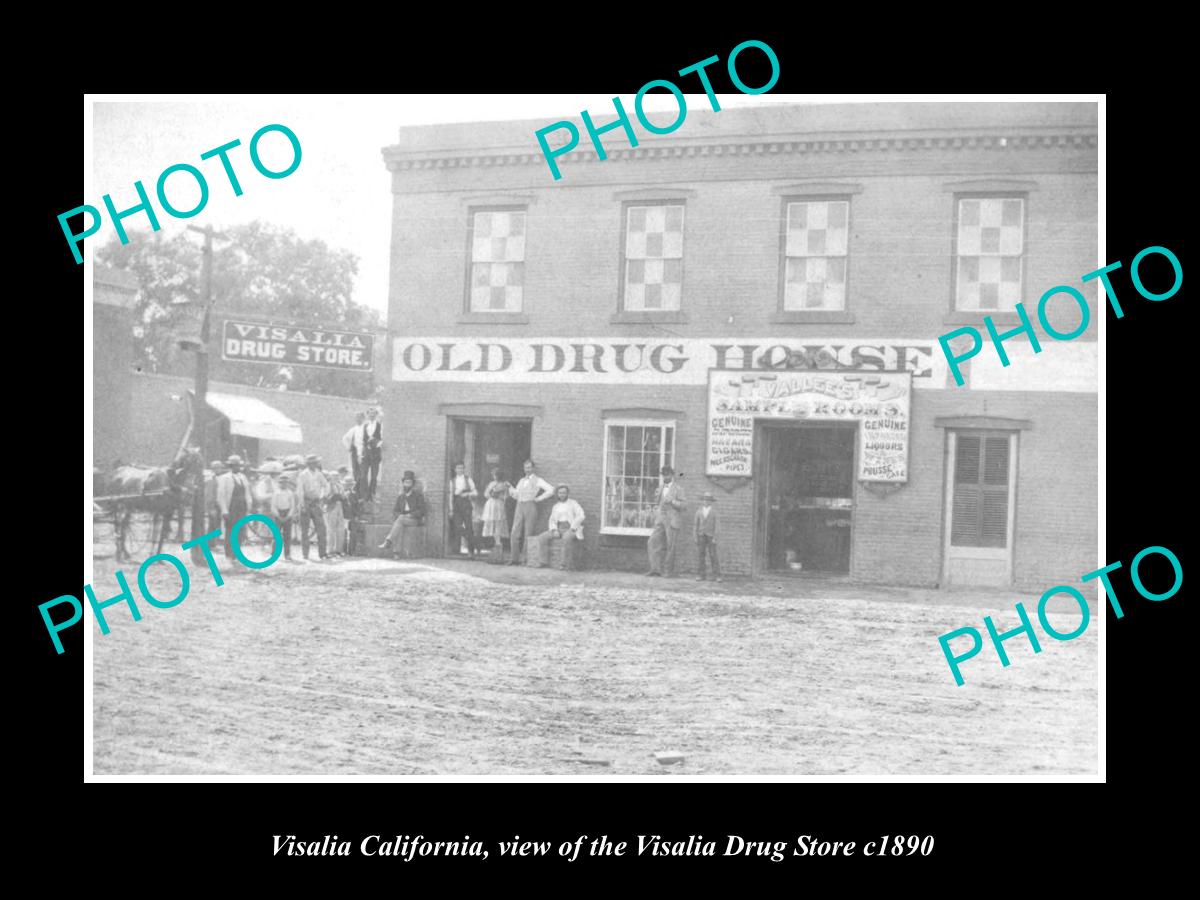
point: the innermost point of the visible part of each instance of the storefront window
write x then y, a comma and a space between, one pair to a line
634, 453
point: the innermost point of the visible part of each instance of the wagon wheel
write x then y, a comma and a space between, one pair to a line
141, 534
104, 534
257, 532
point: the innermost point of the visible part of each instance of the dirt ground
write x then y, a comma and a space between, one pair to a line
369, 666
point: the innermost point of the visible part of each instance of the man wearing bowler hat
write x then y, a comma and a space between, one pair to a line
312, 487
233, 497
668, 519
705, 529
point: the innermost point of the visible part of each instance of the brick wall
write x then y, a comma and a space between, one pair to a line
112, 395
897, 538
899, 276
899, 284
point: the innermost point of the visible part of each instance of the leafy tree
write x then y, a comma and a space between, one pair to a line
262, 272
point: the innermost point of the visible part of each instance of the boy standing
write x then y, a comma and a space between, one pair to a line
283, 508
706, 536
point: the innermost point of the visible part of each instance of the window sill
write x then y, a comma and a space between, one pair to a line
817, 316
624, 540
976, 317
496, 318
666, 317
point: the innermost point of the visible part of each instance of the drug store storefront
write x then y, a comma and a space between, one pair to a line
829, 458
806, 440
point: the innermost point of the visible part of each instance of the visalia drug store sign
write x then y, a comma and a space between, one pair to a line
297, 345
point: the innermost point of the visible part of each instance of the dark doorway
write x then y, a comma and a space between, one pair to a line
806, 497
485, 444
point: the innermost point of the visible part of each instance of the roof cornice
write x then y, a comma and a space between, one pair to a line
399, 160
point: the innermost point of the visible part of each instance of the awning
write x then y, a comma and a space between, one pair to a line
250, 417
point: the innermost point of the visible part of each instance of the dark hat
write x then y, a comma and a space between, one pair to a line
408, 475
311, 458
342, 469
667, 470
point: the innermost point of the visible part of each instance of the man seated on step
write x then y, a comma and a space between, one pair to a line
566, 525
410, 514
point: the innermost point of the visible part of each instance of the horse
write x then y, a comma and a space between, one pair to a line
164, 492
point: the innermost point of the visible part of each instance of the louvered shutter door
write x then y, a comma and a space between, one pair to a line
979, 517
964, 527
993, 525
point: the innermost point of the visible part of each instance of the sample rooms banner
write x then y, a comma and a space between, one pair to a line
879, 402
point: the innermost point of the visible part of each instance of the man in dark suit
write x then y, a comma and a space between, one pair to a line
705, 529
668, 518
410, 515
372, 451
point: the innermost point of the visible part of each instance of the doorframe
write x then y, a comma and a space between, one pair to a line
451, 418
761, 451
993, 553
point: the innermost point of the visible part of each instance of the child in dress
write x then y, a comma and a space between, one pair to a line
495, 511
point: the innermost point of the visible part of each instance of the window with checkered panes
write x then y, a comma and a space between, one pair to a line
497, 260
818, 238
653, 257
634, 455
991, 241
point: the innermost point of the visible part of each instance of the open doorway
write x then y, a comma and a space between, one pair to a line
483, 445
805, 497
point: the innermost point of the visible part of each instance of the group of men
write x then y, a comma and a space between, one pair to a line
320, 503
364, 443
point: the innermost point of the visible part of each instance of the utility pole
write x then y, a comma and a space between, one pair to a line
199, 407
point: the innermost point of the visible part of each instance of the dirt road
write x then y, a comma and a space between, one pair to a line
373, 667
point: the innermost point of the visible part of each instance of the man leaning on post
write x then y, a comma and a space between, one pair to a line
668, 519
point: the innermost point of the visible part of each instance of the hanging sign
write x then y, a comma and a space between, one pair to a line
878, 401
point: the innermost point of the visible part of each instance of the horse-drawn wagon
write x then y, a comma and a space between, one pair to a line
134, 507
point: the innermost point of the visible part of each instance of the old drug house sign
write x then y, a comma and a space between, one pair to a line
297, 345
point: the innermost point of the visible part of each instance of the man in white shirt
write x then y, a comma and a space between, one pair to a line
462, 493
352, 440
233, 497
566, 525
530, 491
311, 489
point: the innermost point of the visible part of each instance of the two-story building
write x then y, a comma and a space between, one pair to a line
756, 299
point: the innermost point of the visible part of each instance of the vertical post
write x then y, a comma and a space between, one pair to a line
199, 411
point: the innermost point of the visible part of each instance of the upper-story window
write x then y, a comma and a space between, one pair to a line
653, 278
989, 250
497, 260
816, 250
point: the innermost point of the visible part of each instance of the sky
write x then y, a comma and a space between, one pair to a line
340, 193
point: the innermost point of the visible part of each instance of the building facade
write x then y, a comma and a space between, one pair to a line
756, 299
114, 294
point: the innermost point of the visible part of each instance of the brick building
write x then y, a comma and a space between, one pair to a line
757, 298
114, 294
